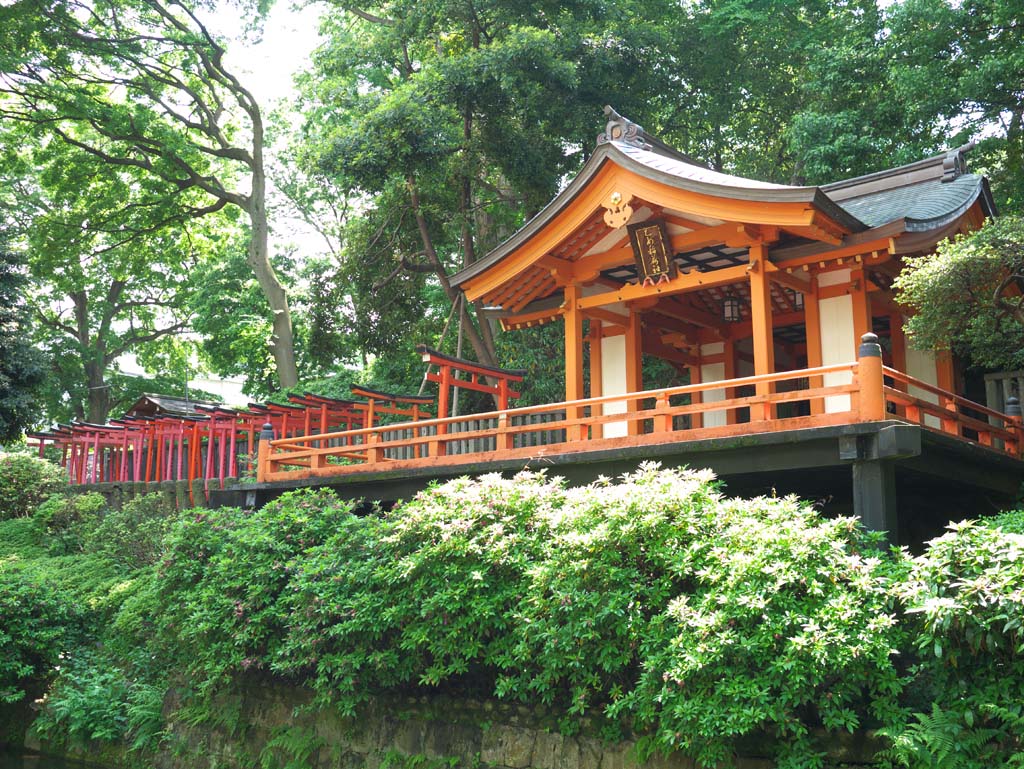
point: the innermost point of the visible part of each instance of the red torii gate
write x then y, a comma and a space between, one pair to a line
447, 376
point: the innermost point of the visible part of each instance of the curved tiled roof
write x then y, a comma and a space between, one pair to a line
924, 205
922, 196
684, 170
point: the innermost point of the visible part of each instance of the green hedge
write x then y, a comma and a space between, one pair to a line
26, 482
653, 605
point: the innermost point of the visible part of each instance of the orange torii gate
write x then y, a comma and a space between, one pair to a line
380, 403
330, 413
447, 377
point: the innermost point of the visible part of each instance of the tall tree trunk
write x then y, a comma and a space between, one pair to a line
282, 345
99, 393
483, 353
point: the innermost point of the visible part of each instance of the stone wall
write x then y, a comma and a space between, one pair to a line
270, 724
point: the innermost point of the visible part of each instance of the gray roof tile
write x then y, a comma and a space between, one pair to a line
927, 203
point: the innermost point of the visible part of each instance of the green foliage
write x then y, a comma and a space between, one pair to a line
40, 625
66, 518
965, 609
21, 366
25, 482
290, 747
93, 699
221, 580
654, 602
66, 612
966, 296
132, 536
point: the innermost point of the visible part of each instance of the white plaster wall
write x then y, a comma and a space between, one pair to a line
713, 372
921, 365
837, 343
613, 381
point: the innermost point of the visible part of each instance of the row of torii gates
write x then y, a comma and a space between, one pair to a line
217, 444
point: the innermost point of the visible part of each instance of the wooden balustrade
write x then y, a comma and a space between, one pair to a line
656, 416
953, 414
207, 446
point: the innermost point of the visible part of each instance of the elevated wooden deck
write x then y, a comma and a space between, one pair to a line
859, 416
858, 392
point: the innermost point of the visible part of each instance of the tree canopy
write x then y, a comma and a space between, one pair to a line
420, 136
22, 367
968, 296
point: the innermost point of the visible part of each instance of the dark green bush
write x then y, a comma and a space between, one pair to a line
965, 607
39, 625
67, 519
220, 584
132, 536
25, 482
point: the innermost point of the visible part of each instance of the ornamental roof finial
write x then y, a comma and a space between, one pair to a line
620, 129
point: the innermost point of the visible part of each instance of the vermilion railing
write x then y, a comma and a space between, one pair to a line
787, 401
951, 414
650, 417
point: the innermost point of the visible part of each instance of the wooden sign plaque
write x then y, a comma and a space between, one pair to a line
652, 250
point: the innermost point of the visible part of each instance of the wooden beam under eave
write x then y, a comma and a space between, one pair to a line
783, 278
673, 308
607, 316
560, 269
531, 318
669, 323
867, 249
661, 350
682, 282
731, 233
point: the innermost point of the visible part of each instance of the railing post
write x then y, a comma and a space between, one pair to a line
1014, 417
869, 376
503, 437
664, 422
374, 453
263, 461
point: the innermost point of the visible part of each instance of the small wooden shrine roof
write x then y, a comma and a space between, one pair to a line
152, 404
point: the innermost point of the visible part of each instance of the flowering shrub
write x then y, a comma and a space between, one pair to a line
652, 605
965, 604
655, 603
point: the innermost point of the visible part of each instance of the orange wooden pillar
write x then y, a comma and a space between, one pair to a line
899, 345
761, 323
945, 378
696, 418
596, 373
634, 362
729, 372
573, 356
812, 327
861, 304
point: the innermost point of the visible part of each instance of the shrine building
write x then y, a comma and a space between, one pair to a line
774, 305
